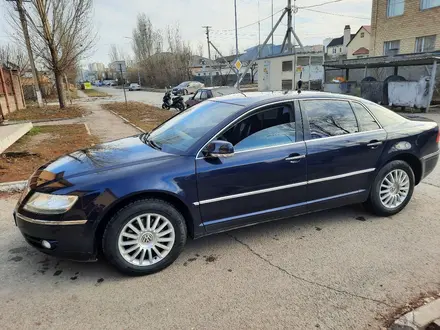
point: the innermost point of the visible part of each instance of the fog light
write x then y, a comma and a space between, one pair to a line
46, 244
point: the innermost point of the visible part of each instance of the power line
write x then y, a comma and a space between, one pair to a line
334, 14
245, 26
320, 4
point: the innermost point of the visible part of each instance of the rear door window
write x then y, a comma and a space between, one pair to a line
329, 118
204, 95
365, 119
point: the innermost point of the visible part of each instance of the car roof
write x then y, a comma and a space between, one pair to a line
219, 87
260, 98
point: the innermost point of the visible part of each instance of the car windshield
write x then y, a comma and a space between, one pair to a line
179, 133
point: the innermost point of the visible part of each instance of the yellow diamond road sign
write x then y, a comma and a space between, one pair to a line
238, 64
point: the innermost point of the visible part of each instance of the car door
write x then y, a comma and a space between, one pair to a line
264, 179
343, 150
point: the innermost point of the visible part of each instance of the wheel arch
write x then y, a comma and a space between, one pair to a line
412, 161
162, 195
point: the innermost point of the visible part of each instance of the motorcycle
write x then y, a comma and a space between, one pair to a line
175, 102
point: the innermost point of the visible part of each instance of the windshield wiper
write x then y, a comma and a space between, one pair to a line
154, 144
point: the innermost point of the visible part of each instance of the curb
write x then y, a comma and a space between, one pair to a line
419, 318
15, 122
128, 122
15, 186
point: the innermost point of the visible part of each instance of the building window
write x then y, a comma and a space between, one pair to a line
334, 50
362, 34
286, 85
391, 47
426, 4
395, 7
425, 44
340, 49
287, 66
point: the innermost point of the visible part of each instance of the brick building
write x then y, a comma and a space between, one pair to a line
405, 26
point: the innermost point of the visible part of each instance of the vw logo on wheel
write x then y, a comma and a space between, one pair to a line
147, 238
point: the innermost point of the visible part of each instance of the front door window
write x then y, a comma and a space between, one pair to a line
270, 127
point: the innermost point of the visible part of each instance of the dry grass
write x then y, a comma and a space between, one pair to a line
142, 115
95, 93
39, 146
33, 112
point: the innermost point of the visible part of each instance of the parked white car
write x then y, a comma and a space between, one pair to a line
134, 87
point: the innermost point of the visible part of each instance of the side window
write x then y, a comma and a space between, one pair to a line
197, 95
329, 118
270, 127
366, 121
204, 95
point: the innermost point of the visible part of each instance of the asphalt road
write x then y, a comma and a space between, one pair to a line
152, 98
339, 269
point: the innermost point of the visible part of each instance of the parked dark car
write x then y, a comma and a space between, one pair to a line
229, 162
210, 92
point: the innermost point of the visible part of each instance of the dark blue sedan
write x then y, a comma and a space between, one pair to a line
228, 162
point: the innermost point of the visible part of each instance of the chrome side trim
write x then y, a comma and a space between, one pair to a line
344, 135
255, 192
431, 155
341, 176
299, 184
213, 222
268, 147
51, 223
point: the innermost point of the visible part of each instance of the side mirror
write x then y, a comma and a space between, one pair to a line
219, 149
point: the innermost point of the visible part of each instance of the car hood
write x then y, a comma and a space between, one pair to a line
102, 157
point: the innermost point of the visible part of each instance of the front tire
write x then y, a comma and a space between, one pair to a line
144, 237
392, 189
186, 92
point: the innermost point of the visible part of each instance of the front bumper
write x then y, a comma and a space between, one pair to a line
72, 239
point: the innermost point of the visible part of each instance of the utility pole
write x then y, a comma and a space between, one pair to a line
259, 30
236, 43
272, 27
289, 26
24, 27
209, 52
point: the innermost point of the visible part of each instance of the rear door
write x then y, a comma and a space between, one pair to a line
343, 150
266, 177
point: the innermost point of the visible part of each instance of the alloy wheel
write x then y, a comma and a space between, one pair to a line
394, 189
146, 239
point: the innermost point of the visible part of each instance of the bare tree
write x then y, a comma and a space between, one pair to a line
200, 48
14, 56
60, 35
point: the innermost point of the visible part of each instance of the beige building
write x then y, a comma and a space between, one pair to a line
405, 26
359, 46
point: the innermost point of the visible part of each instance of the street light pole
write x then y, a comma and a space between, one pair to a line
138, 69
236, 42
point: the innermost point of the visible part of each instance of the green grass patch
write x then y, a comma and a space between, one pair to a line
34, 131
94, 93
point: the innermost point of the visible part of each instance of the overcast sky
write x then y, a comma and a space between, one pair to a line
115, 19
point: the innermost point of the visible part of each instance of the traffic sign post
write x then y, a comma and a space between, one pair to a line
121, 67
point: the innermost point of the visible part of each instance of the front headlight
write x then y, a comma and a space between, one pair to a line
49, 204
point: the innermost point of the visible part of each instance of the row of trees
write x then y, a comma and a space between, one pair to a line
157, 64
60, 35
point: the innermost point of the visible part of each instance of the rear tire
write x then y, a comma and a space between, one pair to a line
149, 225
392, 189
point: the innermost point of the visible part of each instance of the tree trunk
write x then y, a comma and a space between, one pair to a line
60, 89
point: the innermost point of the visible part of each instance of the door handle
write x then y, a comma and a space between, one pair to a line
295, 159
374, 144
